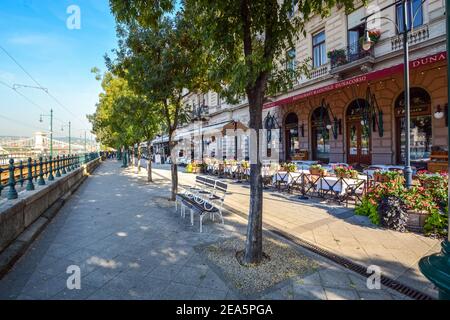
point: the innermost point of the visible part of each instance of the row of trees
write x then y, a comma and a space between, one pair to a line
124, 118
169, 48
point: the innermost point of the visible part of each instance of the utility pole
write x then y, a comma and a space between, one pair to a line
85, 147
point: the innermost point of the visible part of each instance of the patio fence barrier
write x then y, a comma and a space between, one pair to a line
303, 183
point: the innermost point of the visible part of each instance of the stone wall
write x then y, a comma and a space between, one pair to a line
17, 215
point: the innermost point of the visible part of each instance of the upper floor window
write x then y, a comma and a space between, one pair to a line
319, 49
414, 14
290, 60
291, 12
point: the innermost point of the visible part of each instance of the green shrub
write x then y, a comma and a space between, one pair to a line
368, 209
436, 223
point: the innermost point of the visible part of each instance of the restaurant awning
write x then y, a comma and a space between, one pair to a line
218, 128
375, 75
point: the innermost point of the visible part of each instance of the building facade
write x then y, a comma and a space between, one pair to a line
350, 108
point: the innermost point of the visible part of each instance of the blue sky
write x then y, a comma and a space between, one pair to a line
35, 33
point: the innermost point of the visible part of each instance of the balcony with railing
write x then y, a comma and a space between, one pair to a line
350, 58
199, 113
415, 36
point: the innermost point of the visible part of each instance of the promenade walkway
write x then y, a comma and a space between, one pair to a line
338, 230
130, 244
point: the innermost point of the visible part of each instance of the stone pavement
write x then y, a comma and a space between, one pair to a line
130, 244
338, 230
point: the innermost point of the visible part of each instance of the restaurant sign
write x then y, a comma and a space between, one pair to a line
441, 56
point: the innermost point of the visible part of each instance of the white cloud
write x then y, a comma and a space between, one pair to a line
33, 39
7, 77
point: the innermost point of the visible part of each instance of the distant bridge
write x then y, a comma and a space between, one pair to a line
36, 146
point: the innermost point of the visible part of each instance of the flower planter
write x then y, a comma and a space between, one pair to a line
378, 177
318, 172
416, 220
347, 175
196, 170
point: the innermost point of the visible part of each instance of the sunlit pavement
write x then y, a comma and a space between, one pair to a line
130, 244
338, 230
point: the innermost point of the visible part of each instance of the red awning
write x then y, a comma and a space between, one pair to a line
441, 56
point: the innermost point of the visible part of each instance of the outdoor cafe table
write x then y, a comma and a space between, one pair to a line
230, 169
339, 186
288, 177
213, 167
265, 172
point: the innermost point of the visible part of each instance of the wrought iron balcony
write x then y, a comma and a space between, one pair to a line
200, 113
351, 57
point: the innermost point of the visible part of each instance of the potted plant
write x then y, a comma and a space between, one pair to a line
337, 57
345, 172
317, 170
374, 35
388, 176
290, 167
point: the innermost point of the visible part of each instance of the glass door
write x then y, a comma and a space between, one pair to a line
358, 143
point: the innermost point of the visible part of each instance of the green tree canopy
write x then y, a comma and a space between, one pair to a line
161, 60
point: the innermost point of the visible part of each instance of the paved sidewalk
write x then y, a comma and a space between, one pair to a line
130, 244
338, 230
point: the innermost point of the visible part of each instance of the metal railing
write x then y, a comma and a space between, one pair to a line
351, 53
416, 36
24, 175
318, 72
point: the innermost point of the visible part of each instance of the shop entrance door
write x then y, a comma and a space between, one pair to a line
358, 133
358, 143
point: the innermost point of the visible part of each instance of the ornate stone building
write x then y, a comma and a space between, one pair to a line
350, 108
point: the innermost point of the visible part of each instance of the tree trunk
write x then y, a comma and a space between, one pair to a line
253, 246
149, 163
174, 170
173, 167
139, 157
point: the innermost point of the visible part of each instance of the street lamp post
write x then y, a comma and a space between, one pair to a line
408, 170
367, 45
51, 129
436, 267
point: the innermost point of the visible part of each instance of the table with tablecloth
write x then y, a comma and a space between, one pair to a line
340, 186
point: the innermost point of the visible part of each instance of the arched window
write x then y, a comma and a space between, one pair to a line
421, 126
291, 133
320, 134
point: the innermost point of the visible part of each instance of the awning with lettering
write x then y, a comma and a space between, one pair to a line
218, 128
438, 57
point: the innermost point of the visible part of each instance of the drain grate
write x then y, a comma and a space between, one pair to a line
386, 281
